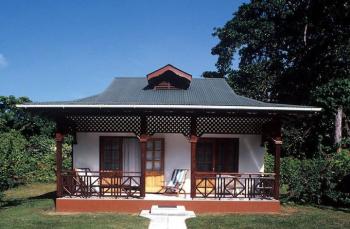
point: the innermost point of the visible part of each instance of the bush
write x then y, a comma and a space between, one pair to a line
23, 161
316, 180
42, 151
303, 179
43, 158
1, 198
338, 168
268, 162
14, 161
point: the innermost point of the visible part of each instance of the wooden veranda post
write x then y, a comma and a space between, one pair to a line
277, 165
59, 140
193, 141
273, 132
143, 142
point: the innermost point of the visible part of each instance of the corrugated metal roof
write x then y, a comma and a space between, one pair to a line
202, 91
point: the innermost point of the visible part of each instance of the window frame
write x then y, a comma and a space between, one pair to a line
215, 154
152, 171
102, 147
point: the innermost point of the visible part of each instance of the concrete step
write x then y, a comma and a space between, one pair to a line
168, 210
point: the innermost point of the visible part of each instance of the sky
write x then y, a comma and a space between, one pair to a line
69, 49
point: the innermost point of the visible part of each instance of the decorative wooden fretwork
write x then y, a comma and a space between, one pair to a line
87, 183
106, 123
234, 185
168, 124
230, 125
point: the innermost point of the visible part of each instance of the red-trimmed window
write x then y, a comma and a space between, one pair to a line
111, 154
217, 155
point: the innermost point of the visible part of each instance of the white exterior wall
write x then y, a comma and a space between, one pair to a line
177, 155
177, 152
86, 153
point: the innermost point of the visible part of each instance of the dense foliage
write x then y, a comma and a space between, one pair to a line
317, 180
27, 147
295, 52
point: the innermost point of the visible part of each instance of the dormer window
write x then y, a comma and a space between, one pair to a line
168, 78
164, 86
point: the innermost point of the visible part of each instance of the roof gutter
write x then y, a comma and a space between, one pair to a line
267, 108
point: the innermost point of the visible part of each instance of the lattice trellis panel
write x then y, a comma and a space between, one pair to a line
230, 125
107, 123
168, 124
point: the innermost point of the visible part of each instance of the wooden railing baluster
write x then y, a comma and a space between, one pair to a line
100, 184
234, 185
207, 185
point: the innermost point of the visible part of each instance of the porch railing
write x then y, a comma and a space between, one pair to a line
100, 184
234, 185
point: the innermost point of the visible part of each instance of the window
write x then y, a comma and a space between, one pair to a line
111, 153
204, 156
154, 155
165, 86
217, 155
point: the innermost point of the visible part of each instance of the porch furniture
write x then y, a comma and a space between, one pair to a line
264, 186
87, 183
130, 184
176, 183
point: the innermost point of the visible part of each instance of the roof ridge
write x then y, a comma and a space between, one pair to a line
128, 77
142, 77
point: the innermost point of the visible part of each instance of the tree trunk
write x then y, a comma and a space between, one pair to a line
346, 125
305, 34
338, 128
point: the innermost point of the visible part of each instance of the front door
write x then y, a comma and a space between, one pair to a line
155, 165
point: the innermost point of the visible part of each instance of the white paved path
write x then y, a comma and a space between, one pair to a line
165, 218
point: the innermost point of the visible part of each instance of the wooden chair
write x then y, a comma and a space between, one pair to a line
88, 182
176, 183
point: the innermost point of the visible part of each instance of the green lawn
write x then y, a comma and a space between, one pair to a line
290, 217
32, 206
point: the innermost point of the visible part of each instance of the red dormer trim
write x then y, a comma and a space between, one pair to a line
169, 67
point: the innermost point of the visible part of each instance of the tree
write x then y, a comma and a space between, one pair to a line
13, 118
288, 50
27, 148
335, 98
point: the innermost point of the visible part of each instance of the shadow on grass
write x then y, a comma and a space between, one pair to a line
48, 195
10, 203
17, 202
342, 209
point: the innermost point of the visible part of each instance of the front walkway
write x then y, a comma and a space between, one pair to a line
167, 217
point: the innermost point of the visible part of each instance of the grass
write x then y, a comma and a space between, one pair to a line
32, 206
305, 217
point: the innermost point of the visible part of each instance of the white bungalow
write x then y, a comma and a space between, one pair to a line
168, 139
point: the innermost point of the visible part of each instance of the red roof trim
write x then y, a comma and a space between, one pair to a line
169, 67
